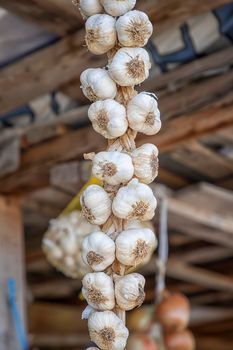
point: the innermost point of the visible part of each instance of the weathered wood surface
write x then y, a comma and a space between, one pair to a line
12, 266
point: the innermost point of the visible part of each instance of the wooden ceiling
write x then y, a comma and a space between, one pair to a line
196, 151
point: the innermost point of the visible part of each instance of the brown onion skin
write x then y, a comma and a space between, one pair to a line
174, 312
183, 340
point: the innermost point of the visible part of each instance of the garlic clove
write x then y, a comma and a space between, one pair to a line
115, 168
129, 291
134, 246
118, 8
134, 201
97, 84
98, 251
107, 331
145, 161
90, 7
98, 290
134, 29
108, 118
100, 33
130, 66
51, 248
96, 205
143, 114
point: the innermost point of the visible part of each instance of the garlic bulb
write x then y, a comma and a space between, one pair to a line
118, 8
134, 246
98, 251
96, 205
134, 29
100, 33
143, 114
145, 161
92, 348
113, 167
108, 118
52, 249
107, 331
130, 66
98, 290
129, 291
90, 7
97, 84
131, 224
134, 201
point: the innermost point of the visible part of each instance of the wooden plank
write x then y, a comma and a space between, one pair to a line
202, 160
213, 343
201, 276
12, 266
204, 255
206, 314
55, 16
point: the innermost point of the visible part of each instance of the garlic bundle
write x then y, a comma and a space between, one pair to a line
145, 161
134, 246
107, 331
113, 167
98, 290
130, 66
134, 201
96, 205
98, 251
118, 7
108, 118
90, 7
129, 291
100, 33
97, 84
143, 114
134, 29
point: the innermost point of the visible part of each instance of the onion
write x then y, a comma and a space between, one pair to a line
141, 342
174, 312
140, 320
183, 340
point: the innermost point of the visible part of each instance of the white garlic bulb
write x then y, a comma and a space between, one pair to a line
97, 84
134, 29
92, 348
134, 246
130, 224
90, 7
145, 161
98, 290
129, 291
52, 249
96, 205
100, 33
130, 66
107, 331
108, 118
98, 251
134, 201
143, 114
118, 7
113, 167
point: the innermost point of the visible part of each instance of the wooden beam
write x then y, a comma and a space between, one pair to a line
12, 266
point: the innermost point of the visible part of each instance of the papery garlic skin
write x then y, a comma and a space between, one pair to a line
107, 331
98, 251
96, 205
114, 167
143, 114
129, 291
118, 7
97, 84
134, 201
134, 29
108, 118
90, 7
145, 161
130, 66
100, 33
98, 290
134, 246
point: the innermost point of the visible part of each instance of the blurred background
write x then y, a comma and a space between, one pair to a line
44, 131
